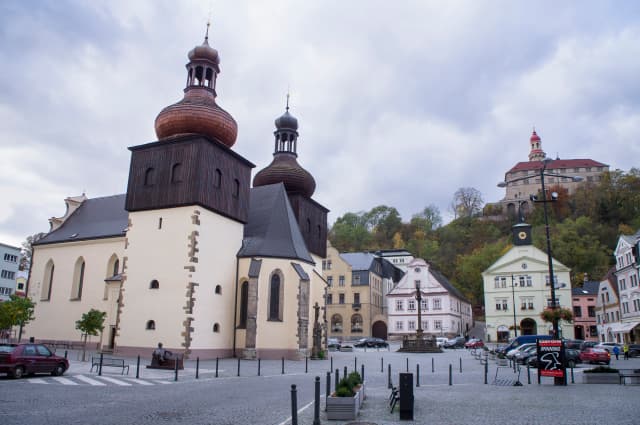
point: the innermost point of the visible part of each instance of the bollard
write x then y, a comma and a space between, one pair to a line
294, 405
316, 407
572, 381
258, 367
65, 354
433, 367
238, 366
100, 368
528, 374
460, 364
346, 372
337, 378
328, 387
283, 365
331, 367
486, 372
514, 365
407, 364
355, 363
450, 374
381, 364
216, 367
417, 374
175, 378
138, 368
197, 367
389, 376
362, 371
306, 364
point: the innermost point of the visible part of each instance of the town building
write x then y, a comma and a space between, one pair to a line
523, 179
608, 309
10, 256
355, 293
517, 290
584, 300
444, 310
191, 256
398, 257
627, 276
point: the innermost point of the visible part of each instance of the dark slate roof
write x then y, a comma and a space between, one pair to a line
254, 267
588, 288
272, 229
390, 271
94, 219
358, 260
447, 285
301, 273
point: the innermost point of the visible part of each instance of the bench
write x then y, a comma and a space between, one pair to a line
169, 361
628, 373
110, 362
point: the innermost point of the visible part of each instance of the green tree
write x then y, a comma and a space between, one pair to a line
383, 222
91, 323
349, 233
18, 311
26, 252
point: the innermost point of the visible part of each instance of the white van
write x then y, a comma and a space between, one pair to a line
440, 341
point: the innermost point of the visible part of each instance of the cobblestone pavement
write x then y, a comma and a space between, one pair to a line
81, 396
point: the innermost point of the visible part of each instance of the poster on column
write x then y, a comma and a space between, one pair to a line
551, 358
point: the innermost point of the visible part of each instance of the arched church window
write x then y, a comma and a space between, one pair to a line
78, 279
154, 284
176, 171
216, 327
218, 289
149, 176
47, 281
275, 298
244, 304
151, 325
199, 75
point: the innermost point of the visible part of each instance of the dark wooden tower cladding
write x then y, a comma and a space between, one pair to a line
189, 170
298, 182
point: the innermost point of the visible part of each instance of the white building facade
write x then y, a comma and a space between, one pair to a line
608, 310
626, 254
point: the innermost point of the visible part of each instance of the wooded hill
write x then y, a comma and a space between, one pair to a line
584, 230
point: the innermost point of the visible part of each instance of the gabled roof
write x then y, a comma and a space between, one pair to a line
556, 164
272, 229
94, 219
358, 260
588, 288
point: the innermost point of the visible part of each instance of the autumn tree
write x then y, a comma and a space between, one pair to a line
91, 323
467, 202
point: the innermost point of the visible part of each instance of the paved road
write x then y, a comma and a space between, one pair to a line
84, 398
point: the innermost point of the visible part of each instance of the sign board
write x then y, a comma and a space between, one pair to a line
551, 358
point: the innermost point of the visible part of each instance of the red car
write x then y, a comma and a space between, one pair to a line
474, 343
17, 360
595, 355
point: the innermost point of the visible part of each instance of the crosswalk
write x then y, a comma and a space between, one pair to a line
96, 381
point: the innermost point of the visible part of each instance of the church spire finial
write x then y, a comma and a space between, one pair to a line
206, 34
287, 108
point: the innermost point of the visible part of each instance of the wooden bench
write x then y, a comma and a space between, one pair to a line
628, 373
110, 362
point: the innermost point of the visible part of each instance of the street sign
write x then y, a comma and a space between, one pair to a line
551, 359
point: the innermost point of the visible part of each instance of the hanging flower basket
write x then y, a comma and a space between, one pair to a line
556, 314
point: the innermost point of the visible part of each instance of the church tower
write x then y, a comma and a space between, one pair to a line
536, 153
188, 201
298, 182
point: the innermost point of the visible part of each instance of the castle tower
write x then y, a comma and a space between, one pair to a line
536, 153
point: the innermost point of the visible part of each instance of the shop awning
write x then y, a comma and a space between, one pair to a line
621, 327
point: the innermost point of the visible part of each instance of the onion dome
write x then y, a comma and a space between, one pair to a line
285, 169
198, 112
286, 121
535, 137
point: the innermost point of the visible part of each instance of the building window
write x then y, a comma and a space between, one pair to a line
399, 305
218, 290
555, 279
336, 323
411, 325
356, 323
216, 327
522, 281
47, 281
176, 171
399, 325
437, 304
425, 325
275, 298
244, 304
11, 258
340, 298
529, 281
496, 282
78, 279
329, 299
6, 274
503, 282
330, 280
356, 298
217, 178
411, 305
424, 304
591, 311
356, 279
437, 324
151, 325
149, 177
341, 281
577, 311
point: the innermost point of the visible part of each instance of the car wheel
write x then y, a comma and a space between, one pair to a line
59, 370
18, 372
571, 364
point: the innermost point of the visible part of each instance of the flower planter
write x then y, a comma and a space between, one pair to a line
600, 378
345, 408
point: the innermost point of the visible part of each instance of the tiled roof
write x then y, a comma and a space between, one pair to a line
588, 288
556, 164
358, 260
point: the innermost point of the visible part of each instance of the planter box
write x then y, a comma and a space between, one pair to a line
600, 378
345, 408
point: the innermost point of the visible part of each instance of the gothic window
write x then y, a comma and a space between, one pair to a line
151, 325
244, 304
216, 327
276, 293
78, 279
176, 171
154, 284
218, 289
149, 177
116, 267
47, 281
217, 178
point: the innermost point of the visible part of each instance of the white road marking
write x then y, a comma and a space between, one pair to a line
139, 381
299, 411
37, 381
162, 382
116, 381
88, 380
64, 381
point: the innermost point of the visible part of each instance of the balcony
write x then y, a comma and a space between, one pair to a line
356, 306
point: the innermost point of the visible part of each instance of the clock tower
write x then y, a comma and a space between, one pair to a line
522, 234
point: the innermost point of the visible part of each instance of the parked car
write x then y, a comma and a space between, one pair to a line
523, 355
333, 344
457, 342
595, 355
512, 353
573, 343
571, 358
522, 339
634, 350
588, 344
17, 360
371, 342
608, 346
440, 341
474, 343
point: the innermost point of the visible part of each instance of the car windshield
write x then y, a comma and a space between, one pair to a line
7, 348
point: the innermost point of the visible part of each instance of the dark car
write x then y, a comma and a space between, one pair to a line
457, 342
588, 344
17, 360
573, 343
634, 350
333, 344
371, 342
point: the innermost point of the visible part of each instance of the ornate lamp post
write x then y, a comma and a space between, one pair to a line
419, 331
544, 201
513, 299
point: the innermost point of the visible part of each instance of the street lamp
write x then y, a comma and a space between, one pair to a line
513, 299
544, 201
419, 331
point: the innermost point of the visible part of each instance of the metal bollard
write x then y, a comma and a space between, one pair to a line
175, 378
460, 364
450, 374
283, 365
238, 366
362, 371
486, 372
258, 367
381, 364
306, 364
407, 364
294, 405
337, 378
514, 365
100, 367
328, 386
331, 367
572, 381
433, 367
355, 363
216, 367
346, 372
417, 374
528, 374
389, 376
316, 407
138, 368
65, 353
197, 367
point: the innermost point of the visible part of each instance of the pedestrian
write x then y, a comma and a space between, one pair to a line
625, 350
616, 351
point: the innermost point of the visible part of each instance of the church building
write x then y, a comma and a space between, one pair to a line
191, 256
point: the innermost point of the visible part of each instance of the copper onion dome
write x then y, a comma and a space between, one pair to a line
197, 112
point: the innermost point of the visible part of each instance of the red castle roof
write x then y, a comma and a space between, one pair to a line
556, 164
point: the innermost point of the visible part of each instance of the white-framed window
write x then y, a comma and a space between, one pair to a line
437, 324
10, 258
529, 281
330, 280
399, 325
411, 305
412, 325
437, 304
425, 324
399, 305
503, 282
522, 281
424, 304
6, 274
341, 281
496, 282
555, 279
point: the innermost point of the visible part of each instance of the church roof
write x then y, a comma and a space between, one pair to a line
272, 229
94, 219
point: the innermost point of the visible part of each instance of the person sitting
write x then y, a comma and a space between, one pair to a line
160, 353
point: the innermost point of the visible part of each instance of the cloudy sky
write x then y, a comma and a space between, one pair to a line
399, 103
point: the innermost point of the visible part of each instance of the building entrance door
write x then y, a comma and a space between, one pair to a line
379, 330
528, 327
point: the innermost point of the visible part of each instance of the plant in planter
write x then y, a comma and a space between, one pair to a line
345, 402
601, 375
